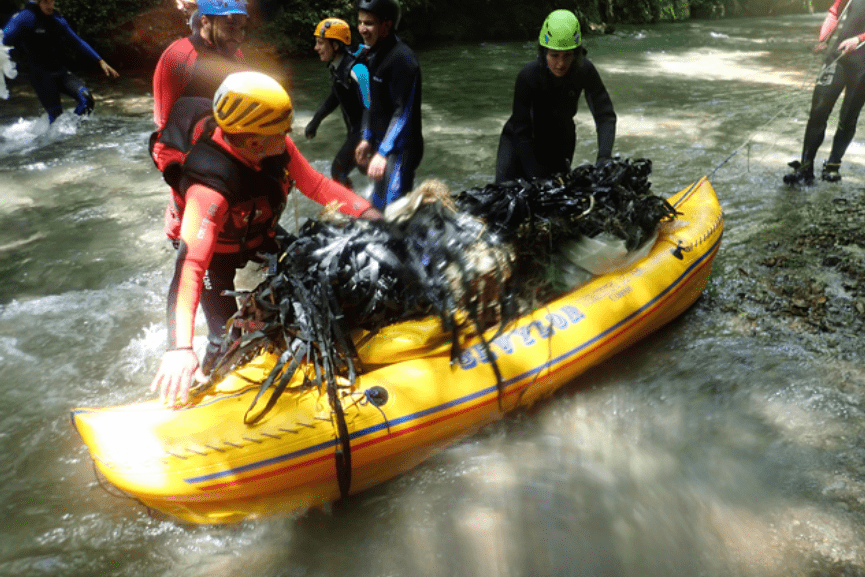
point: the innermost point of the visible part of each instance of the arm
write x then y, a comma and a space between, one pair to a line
360, 75
80, 44
323, 190
205, 213
522, 125
364, 148
405, 85
17, 25
169, 79
328, 106
830, 23
602, 111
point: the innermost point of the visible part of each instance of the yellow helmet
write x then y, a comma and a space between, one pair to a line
252, 102
334, 29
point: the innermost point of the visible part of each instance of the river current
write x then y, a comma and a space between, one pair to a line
707, 449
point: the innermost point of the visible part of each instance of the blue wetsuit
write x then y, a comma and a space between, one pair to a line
45, 39
392, 124
350, 91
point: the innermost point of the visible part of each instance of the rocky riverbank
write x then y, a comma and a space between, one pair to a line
808, 279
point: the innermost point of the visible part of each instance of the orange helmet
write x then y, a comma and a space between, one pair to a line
334, 29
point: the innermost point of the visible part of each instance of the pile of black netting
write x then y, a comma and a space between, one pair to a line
613, 198
467, 258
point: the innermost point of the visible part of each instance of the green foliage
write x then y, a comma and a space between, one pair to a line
291, 27
93, 21
428, 21
288, 24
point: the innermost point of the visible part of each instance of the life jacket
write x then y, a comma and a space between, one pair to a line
185, 125
256, 197
185, 154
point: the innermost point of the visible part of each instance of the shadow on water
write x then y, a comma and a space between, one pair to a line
728, 443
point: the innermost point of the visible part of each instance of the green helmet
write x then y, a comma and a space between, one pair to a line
561, 31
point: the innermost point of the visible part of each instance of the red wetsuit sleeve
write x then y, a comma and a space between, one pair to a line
204, 216
830, 23
320, 188
170, 78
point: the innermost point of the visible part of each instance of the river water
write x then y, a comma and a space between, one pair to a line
708, 449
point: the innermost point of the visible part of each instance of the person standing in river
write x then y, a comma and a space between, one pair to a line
235, 183
197, 64
843, 71
44, 33
349, 91
539, 138
391, 146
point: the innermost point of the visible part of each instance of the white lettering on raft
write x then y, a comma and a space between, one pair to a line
527, 335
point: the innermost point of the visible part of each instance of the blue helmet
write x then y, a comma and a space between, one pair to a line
221, 7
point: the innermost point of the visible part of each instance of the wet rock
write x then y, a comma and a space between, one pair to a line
809, 276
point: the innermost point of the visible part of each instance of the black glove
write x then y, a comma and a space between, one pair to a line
311, 129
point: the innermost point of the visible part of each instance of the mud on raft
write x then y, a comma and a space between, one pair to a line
372, 345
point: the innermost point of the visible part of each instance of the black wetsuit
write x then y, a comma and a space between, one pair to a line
393, 122
539, 138
45, 39
350, 92
847, 75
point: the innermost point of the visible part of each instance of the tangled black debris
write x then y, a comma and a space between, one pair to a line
613, 198
475, 252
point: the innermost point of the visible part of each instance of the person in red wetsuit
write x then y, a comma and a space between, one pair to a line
235, 183
197, 64
843, 71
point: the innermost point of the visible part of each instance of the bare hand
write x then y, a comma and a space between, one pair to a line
849, 45
377, 166
176, 372
108, 70
372, 213
820, 47
362, 154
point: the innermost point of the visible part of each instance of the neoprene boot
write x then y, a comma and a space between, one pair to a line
830, 171
802, 173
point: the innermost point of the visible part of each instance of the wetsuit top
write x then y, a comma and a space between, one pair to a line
189, 67
542, 122
227, 202
852, 25
393, 121
349, 89
44, 37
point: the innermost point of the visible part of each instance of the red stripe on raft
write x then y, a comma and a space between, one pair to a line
260, 476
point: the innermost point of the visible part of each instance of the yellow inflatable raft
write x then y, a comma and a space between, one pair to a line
202, 464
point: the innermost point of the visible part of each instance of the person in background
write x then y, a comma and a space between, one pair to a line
197, 64
539, 138
843, 71
190, 12
391, 146
44, 34
349, 80
235, 183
